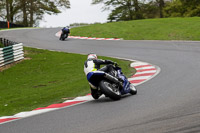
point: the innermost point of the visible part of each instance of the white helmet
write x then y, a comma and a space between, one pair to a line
92, 56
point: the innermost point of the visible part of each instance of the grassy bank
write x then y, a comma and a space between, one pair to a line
147, 29
19, 28
44, 78
1, 45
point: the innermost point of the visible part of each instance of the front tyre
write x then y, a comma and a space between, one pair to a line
109, 90
133, 90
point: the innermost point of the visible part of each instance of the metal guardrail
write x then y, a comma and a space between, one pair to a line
11, 52
4, 24
6, 42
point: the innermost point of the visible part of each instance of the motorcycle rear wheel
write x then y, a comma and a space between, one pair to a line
110, 91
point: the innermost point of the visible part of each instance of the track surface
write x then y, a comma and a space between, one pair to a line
169, 103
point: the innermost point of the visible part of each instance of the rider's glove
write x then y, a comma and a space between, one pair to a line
115, 63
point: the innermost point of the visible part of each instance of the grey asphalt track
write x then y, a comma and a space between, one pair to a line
168, 103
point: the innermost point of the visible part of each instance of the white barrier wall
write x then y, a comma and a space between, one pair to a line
11, 54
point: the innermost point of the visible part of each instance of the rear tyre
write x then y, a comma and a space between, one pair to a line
109, 90
133, 90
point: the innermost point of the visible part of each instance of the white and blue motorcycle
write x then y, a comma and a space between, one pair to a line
113, 84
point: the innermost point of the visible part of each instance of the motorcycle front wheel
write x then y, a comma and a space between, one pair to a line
109, 90
133, 90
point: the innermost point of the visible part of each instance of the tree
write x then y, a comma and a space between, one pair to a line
2, 12
156, 6
192, 7
150, 10
182, 8
37, 8
123, 9
161, 6
137, 10
8, 9
28, 12
174, 9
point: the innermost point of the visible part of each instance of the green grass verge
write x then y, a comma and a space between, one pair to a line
19, 28
1, 45
45, 79
147, 29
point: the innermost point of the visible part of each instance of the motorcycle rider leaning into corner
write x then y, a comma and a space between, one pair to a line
66, 30
92, 64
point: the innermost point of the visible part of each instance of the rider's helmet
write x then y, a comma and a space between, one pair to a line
92, 56
66, 27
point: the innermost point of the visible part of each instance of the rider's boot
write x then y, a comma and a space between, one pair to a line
95, 93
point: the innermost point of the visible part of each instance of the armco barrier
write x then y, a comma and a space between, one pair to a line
6, 42
4, 24
11, 52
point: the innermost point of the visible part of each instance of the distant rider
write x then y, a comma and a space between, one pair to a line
65, 30
93, 64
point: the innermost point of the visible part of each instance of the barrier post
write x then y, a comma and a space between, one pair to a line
8, 23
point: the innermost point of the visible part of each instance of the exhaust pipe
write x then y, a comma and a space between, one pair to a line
111, 78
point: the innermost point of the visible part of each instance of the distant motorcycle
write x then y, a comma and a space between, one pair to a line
65, 33
113, 84
63, 36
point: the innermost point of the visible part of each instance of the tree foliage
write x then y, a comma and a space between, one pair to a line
182, 8
123, 9
139, 9
2, 14
28, 12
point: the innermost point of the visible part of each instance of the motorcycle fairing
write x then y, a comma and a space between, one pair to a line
126, 83
95, 77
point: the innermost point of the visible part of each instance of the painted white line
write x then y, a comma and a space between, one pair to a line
87, 98
87, 38
99, 38
138, 64
6, 117
146, 72
139, 78
34, 112
142, 68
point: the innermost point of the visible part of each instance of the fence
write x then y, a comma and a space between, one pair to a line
6, 42
5, 25
11, 52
